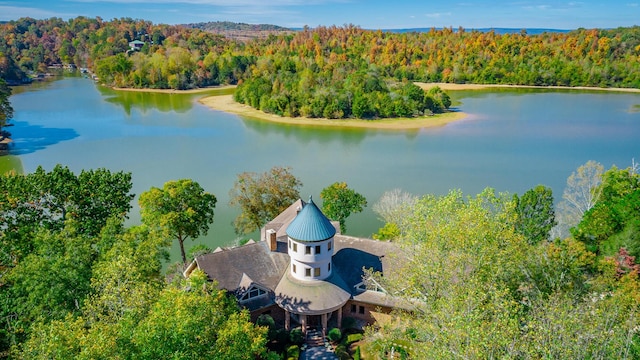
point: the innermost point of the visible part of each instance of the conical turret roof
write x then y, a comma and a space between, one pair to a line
311, 224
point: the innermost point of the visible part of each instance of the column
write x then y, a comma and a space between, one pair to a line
339, 318
303, 323
323, 318
287, 320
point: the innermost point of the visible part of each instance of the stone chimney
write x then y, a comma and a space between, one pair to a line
271, 240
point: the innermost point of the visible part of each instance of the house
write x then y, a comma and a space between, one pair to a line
136, 45
303, 271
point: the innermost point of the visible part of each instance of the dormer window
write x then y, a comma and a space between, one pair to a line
252, 293
371, 285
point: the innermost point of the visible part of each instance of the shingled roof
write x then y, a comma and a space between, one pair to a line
229, 266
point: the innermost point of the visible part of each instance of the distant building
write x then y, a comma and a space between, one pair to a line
136, 45
303, 271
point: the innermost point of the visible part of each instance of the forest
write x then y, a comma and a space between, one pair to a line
332, 72
493, 275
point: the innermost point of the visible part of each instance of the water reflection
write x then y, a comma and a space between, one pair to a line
305, 134
29, 138
151, 101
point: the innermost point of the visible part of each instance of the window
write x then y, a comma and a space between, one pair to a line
294, 268
353, 308
316, 272
289, 244
318, 249
329, 245
307, 250
295, 247
254, 292
361, 309
328, 267
307, 272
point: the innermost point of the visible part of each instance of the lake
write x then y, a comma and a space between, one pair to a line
512, 140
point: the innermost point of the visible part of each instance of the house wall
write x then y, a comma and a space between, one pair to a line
276, 312
364, 312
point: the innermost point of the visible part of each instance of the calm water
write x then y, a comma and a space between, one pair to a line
511, 141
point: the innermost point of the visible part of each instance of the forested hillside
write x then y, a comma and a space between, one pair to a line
330, 72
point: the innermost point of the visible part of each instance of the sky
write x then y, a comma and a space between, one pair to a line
368, 14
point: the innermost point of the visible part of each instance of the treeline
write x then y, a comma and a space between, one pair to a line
584, 57
221, 26
172, 56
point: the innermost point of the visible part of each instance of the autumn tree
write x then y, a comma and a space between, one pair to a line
338, 202
261, 197
6, 110
181, 208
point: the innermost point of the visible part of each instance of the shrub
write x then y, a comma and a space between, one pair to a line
267, 321
351, 338
334, 335
349, 323
296, 336
293, 352
356, 353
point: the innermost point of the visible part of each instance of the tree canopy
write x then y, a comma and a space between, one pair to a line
338, 202
261, 197
181, 208
6, 110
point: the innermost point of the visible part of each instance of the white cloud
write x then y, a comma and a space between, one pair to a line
437, 15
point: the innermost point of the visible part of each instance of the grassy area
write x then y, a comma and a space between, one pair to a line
10, 163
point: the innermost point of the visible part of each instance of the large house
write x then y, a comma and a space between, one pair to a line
303, 271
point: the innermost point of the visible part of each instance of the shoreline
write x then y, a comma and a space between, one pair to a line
455, 87
173, 91
226, 103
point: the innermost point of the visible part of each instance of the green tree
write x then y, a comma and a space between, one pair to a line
261, 197
615, 215
6, 110
536, 215
464, 307
200, 323
338, 202
181, 208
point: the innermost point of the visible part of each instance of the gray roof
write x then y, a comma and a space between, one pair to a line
311, 224
352, 254
312, 297
253, 261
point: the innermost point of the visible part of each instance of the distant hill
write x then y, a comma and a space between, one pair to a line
532, 31
238, 31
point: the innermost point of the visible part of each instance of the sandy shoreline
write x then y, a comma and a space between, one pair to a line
227, 104
454, 87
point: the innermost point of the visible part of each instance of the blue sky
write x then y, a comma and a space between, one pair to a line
370, 14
